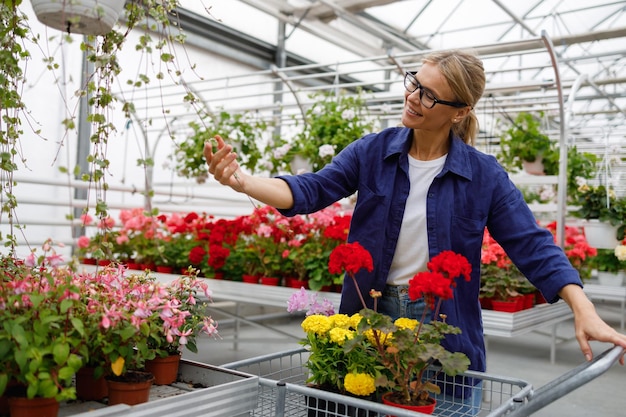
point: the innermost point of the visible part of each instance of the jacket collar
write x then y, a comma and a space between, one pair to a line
457, 162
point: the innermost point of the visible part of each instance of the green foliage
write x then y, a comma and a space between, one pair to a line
523, 141
14, 34
500, 283
243, 131
598, 202
42, 344
607, 261
406, 351
335, 120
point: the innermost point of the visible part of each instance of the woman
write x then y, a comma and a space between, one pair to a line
422, 189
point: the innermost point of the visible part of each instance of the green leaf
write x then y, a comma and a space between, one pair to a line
66, 305
61, 352
47, 389
4, 380
67, 373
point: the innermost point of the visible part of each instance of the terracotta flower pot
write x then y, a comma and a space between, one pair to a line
424, 409
132, 388
89, 388
29, 407
164, 370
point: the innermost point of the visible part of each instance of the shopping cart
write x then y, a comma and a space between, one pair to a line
283, 390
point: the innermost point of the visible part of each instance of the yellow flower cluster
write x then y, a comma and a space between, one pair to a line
317, 324
359, 384
340, 335
406, 323
620, 252
339, 327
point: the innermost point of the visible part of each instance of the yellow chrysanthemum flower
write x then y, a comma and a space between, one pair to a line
383, 337
355, 320
620, 252
406, 323
359, 384
340, 335
316, 323
340, 320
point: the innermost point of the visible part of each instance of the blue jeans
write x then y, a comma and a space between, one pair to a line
396, 303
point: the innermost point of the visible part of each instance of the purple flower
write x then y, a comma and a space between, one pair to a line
304, 301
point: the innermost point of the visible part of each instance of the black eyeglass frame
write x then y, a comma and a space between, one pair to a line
435, 99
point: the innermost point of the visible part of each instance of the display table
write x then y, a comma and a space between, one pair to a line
504, 324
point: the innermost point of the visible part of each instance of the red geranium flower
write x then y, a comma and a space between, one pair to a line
350, 257
440, 279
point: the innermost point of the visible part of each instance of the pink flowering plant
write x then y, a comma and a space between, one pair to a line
42, 336
135, 318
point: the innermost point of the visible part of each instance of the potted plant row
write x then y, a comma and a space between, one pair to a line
292, 250
57, 322
504, 287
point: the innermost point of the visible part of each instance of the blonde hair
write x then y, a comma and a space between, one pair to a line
465, 74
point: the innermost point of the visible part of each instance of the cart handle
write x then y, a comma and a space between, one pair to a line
569, 381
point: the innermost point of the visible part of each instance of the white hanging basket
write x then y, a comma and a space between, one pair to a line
88, 17
601, 235
535, 167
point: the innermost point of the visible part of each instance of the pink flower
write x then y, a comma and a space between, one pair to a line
86, 219
83, 242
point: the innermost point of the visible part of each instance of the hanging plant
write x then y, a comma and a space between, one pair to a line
331, 123
14, 34
524, 142
244, 131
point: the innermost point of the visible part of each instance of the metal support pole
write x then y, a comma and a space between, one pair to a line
562, 182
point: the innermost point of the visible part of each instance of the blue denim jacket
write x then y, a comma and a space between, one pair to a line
472, 192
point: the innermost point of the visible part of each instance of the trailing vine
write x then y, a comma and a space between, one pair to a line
13, 35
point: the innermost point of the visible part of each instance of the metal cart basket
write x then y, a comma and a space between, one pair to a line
282, 392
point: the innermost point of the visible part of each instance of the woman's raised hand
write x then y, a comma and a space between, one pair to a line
223, 164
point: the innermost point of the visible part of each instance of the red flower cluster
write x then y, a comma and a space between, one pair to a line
350, 257
440, 279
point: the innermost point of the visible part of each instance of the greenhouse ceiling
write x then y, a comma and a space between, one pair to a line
369, 43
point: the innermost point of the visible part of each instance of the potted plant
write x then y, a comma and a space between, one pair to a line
134, 318
610, 265
42, 337
175, 324
330, 124
498, 277
242, 130
523, 143
376, 353
605, 214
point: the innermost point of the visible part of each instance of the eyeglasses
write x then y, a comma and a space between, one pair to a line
427, 98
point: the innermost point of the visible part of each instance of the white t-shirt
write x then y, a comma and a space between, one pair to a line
411, 254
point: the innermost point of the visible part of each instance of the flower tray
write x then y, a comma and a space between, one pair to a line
200, 389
